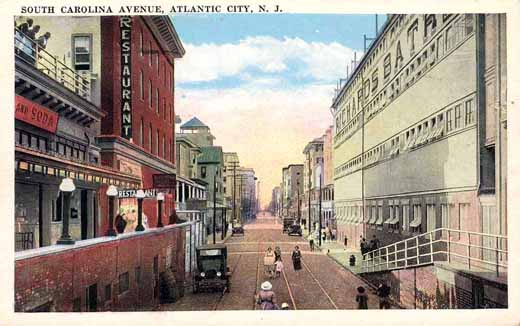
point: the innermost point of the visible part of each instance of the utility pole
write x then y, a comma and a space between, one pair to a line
214, 207
309, 161
319, 215
234, 193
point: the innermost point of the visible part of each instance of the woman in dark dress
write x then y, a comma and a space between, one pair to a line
296, 258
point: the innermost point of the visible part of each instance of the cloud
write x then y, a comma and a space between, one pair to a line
324, 62
267, 127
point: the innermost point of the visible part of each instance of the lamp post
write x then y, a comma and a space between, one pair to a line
140, 196
111, 193
298, 189
66, 187
160, 199
319, 212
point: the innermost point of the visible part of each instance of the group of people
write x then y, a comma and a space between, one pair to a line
29, 31
383, 293
368, 246
273, 267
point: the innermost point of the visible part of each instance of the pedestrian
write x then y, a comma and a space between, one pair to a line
362, 298
311, 244
326, 233
266, 297
269, 262
277, 254
42, 40
375, 243
31, 33
120, 223
278, 268
363, 245
296, 258
24, 27
383, 292
345, 241
334, 234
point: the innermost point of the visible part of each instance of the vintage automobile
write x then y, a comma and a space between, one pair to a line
287, 222
295, 229
238, 230
212, 273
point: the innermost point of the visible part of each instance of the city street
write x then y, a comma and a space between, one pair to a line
320, 284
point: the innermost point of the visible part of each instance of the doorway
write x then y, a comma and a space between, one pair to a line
84, 215
92, 298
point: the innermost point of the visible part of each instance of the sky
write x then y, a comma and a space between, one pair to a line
264, 83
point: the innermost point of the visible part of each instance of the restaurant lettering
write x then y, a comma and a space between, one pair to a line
126, 80
130, 193
35, 114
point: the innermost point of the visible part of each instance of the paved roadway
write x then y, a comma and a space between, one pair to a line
320, 284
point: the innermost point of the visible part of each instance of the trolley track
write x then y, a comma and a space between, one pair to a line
320, 286
257, 277
221, 295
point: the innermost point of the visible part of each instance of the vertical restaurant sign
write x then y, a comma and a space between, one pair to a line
35, 114
125, 24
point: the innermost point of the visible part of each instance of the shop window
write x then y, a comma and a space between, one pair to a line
150, 98
141, 43
82, 45
57, 208
406, 217
470, 112
157, 100
141, 84
449, 120
124, 282
76, 305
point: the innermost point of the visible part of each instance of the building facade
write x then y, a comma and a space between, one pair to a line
292, 191
419, 135
231, 184
312, 170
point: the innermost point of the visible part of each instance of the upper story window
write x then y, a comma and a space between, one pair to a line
141, 43
150, 98
82, 47
157, 100
150, 53
141, 133
141, 84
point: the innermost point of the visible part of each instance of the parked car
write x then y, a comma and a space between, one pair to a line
212, 272
238, 230
295, 229
287, 222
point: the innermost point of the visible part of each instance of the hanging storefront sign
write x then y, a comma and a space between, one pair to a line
35, 114
126, 76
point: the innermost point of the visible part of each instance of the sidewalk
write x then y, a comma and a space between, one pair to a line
338, 252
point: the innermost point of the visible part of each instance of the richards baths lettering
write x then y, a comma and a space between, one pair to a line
126, 80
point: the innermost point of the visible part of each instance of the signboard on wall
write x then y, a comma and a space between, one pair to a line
167, 180
35, 114
126, 80
130, 193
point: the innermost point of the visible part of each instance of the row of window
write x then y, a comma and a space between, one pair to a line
61, 146
123, 286
453, 35
452, 119
151, 53
156, 145
408, 218
167, 110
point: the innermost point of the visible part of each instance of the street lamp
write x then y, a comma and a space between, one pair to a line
160, 198
140, 196
66, 188
298, 188
111, 193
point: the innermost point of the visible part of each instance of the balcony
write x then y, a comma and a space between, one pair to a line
32, 53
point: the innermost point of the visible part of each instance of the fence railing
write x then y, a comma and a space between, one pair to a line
482, 251
30, 51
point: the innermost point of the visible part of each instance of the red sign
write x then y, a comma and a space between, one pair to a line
35, 114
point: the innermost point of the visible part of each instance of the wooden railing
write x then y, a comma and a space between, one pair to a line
474, 249
31, 52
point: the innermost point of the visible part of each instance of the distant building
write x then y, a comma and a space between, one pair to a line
231, 184
292, 191
312, 170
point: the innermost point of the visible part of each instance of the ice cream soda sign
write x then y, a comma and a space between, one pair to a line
35, 114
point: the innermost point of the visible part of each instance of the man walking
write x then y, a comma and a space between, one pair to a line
311, 244
383, 292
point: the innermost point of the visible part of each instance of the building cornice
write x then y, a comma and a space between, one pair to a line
163, 29
123, 147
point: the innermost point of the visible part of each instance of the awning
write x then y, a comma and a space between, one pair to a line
392, 220
415, 222
372, 220
380, 220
